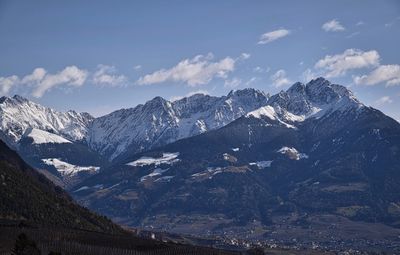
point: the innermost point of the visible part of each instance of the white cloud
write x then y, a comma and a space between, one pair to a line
279, 79
107, 75
339, 64
37, 75
273, 35
71, 76
259, 69
308, 75
137, 67
360, 23
196, 71
333, 26
245, 56
390, 74
42, 81
352, 35
250, 81
383, 100
7, 83
232, 83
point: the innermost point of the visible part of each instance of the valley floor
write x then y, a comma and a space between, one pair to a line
312, 232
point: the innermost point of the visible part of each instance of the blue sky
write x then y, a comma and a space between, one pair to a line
98, 56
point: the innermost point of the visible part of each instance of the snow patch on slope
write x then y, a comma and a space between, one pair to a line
292, 153
265, 111
41, 137
156, 172
164, 179
167, 158
68, 169
261, 164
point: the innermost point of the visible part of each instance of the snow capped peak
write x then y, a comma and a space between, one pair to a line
321, 81
20, 99
157, 103
159, 121
157, 100
18, 114
321, 90
297, 88
314, 99
247, 92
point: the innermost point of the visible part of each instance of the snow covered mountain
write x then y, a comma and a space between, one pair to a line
18, 115
316, 99
159, 121
45, 137
314, 153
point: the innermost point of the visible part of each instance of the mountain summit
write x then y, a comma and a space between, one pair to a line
18, 114
160, 121
317, 96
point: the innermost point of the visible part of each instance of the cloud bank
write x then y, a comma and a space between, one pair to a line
338, 65
390, 74
196, 71
273, 35
279, 79
106, 75
333, 26
42, 81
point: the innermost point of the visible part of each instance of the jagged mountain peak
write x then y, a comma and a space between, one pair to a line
323, 91
157, 103
20, 98
160, 121
298, 87
314, 99
13, 100
247, 92
156, 100
17, 114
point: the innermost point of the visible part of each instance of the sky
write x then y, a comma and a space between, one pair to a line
99, 56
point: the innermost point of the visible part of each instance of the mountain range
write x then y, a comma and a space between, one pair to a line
72, 146
246, 165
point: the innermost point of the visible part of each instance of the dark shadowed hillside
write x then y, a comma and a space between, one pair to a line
29, 196
37, 216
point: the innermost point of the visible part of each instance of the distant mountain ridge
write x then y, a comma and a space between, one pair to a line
18, 114
67, 144
74, 142
313, 153
159, 121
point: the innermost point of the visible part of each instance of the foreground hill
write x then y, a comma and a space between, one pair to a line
315, 165
36, 216
27, 195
